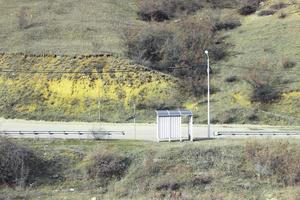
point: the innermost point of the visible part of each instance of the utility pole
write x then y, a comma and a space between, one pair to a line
134, 119
208, 95
99, 105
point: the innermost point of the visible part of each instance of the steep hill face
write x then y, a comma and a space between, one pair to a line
264, 49
257, 82
65, 27
81, 88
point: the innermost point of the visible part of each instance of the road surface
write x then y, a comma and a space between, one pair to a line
143, 131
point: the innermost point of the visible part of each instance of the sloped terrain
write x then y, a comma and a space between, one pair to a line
81, 88
262, 44
215, 169
65, 27
263, 50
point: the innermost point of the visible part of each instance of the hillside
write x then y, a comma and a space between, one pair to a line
81, 88
261, 44
262, 49
215, 169
65, 27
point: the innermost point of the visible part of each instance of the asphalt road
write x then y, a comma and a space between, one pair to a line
143, 131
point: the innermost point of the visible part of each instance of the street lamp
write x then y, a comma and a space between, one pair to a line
208, 95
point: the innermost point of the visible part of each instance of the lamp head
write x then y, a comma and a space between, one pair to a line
206, 52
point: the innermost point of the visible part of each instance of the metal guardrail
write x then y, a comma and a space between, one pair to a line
96, 134
257, 133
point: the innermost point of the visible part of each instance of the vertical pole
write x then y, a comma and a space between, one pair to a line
180, 121
191, 128
157, 128
99, 105
134, 120
170, 131
208, 95
99, 113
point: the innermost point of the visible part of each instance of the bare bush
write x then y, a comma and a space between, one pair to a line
19, 165
106, 166
275, 160
266, 12
288, 63
282, 15
177, 49
263, 80
161, 10
278, 6
161, 47
232, 79
23, 18
250, 6
227, 24
247, 10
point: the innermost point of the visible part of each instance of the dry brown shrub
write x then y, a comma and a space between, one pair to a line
19, 165
277, 161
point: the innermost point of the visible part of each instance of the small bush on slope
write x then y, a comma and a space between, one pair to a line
108, 166
161, 10
249, 7
266, 12
264, 81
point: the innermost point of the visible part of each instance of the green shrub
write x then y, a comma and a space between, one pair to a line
107, 166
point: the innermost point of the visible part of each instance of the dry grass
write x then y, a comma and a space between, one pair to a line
64, 27
219, 169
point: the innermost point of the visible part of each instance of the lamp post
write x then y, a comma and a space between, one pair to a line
208, 94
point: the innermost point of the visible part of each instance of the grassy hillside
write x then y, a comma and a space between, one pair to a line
65, 27
219, 169
95, 84
264, 48
261, 44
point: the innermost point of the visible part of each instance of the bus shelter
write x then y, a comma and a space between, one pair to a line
169, 125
